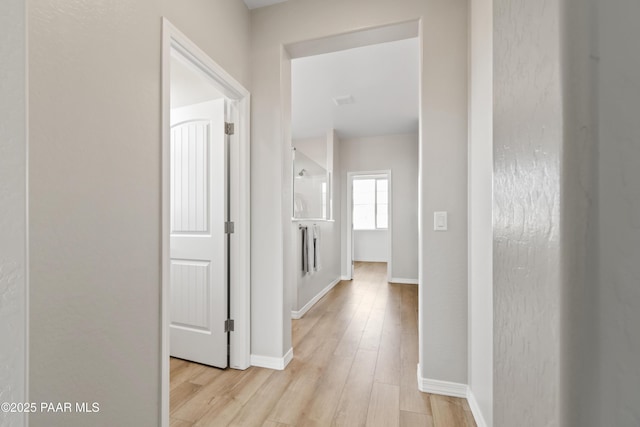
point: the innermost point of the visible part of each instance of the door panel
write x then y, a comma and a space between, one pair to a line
198, 242
189, 183
189, 294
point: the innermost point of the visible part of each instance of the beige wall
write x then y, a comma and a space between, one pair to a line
95, 107
13, 208
442, 160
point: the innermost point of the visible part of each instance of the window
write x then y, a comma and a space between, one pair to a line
370, 204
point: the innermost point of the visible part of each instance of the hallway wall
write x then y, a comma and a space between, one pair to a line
442, 159
13, 208
95, 170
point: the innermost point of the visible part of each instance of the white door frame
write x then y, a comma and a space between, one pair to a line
173, 39
349, 254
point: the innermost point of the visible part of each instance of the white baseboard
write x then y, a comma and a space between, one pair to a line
475, 409
445, 388
277, 363
288, 357
345, 278
298, 314
403, 281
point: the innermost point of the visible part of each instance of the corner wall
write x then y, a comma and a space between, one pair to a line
575, 310
95, 176
481, 210
13, 209
528, 144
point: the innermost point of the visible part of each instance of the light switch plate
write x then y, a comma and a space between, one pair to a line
440, 221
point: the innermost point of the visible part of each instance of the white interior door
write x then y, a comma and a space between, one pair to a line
198, 244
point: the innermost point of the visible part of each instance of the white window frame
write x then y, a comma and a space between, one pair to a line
375, 201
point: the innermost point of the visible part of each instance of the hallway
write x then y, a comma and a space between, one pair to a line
355, 357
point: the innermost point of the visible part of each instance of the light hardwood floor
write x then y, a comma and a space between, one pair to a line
355, 357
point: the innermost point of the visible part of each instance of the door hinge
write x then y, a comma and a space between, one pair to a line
228, 325
229, 227
228, 128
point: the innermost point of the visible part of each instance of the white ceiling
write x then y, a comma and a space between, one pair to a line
381, 78
254, 4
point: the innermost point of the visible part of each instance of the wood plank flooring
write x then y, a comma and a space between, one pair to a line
355, 357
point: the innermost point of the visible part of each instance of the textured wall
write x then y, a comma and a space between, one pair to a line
13, 214
95, 159
578, 344
618, 213
527, 275
598, 380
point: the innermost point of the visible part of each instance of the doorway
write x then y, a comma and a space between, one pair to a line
354, 107
205, 212
369, 216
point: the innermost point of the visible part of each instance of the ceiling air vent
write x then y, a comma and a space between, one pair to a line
343, 100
